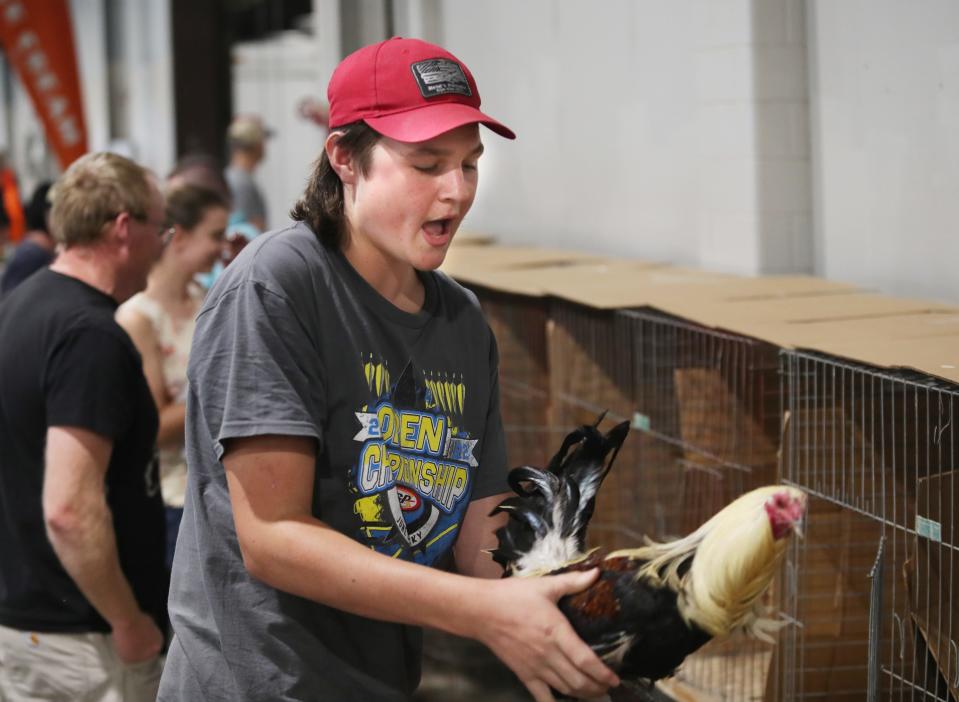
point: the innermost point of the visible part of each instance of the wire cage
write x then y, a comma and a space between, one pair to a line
590, 352
713, 399
705, 408
519, 324
708, 403
875, 584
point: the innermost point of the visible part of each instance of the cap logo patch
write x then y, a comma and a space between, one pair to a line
440, 77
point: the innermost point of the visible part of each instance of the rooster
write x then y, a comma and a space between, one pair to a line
654, 605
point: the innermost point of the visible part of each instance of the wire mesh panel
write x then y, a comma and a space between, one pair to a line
519, 324
590, 353
827, 590
705, 409
713, 398
707, 403
877, 450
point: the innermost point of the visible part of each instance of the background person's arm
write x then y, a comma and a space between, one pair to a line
79, 525
271, 486
171, 410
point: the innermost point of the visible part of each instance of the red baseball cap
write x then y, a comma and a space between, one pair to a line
408, 90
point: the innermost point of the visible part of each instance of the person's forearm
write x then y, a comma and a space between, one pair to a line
170, 433
295, 556
83, 539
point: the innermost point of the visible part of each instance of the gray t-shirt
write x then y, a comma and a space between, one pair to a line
405, 411
247, 199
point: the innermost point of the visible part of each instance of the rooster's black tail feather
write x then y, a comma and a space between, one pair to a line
561, 498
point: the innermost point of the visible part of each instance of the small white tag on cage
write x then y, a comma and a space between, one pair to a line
928, 528
640, 421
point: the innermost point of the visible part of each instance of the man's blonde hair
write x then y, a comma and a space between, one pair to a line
94, 190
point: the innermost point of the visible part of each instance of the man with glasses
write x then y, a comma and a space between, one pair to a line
82, 579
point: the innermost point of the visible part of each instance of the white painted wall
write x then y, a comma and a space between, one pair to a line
270, 78
885, 86
604, 102
667, 130
149, 59
89, 41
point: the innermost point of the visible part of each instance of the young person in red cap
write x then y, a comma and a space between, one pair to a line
343, 427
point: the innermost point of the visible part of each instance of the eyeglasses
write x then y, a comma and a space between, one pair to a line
161, 227
164, 232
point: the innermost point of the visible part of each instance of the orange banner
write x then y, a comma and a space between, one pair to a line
37, 37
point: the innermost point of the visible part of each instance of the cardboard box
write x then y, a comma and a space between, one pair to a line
471, 263
653, 287
871, 329
936, 355
539, 278
791, 311
471, 238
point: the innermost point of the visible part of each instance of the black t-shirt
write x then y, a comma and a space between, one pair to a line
64, 361
27, 259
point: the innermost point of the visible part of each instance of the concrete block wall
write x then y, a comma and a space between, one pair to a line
599, 97
782, 136
665, 131
885, 126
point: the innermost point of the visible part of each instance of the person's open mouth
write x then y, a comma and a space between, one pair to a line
438, 232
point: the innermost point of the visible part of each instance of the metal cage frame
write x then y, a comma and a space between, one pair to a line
877, 452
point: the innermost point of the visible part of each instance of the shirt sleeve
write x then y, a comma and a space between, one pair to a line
88, 382
491, 479
255, 369
247, 199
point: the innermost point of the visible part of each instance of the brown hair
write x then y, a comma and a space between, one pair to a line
321, 206
93, 190
198, 168
186, 204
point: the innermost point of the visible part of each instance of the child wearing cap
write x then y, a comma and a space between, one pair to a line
343, 430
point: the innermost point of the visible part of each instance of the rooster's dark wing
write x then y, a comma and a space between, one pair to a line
634, 625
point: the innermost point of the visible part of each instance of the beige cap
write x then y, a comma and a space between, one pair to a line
247, 130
